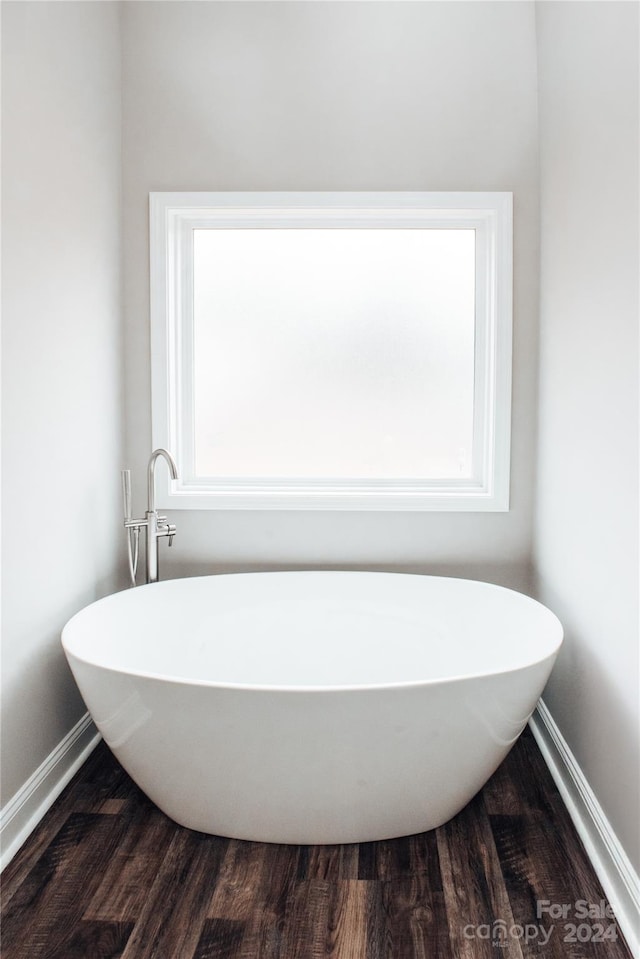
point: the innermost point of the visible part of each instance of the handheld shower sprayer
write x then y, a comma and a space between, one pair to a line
133, 532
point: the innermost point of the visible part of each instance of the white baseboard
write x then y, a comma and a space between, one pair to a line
619, 880
24, 811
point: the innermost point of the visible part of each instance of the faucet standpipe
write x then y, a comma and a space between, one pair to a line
155, 526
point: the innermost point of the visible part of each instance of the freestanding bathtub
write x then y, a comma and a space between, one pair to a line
312, 707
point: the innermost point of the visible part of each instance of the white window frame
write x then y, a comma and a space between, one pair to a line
174, 217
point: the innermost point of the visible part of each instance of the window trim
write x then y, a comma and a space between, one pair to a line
174, 216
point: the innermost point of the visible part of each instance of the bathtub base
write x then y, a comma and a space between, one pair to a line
300, 768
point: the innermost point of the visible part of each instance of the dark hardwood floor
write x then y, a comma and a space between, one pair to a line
108, 875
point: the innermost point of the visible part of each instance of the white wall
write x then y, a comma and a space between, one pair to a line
586, 534
333, 96
62, 382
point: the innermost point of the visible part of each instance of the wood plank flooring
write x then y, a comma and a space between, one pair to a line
108, 876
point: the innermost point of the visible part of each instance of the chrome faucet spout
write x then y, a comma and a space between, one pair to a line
156, 526
151, 487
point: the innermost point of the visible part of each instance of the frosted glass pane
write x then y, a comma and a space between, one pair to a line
334, 353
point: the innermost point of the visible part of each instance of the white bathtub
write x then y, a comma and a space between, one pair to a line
312, 707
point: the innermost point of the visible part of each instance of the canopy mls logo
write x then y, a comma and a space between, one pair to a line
581, 921
500, 932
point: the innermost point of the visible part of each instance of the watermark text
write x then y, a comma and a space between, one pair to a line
579, 921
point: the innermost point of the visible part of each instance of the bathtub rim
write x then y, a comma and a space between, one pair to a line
317, 688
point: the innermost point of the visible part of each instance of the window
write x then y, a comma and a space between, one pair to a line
332, 350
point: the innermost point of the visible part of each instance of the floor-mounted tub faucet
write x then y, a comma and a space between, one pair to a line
155, 526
